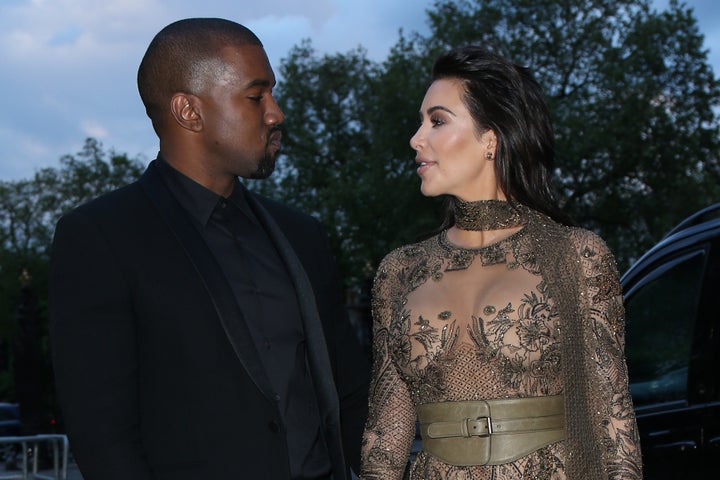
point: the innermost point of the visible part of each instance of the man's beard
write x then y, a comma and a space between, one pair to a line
265, 167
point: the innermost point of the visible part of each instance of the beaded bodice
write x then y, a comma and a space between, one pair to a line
453, 324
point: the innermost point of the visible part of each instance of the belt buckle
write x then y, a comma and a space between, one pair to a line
471, 428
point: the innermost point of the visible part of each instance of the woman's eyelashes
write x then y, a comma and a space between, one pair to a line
435, 121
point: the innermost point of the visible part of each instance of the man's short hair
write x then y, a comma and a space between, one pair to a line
182, 57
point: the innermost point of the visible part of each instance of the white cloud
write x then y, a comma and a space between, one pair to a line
278, 34
24, 153
93, 128
73, 62
69, 65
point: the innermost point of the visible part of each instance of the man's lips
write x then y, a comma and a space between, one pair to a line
275, 138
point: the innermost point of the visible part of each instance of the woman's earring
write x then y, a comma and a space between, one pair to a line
489, 155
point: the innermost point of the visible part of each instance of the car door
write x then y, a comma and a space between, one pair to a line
670, 345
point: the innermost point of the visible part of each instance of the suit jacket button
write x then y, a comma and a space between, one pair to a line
273, 426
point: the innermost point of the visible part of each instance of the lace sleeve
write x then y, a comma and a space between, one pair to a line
606, 342
390, 427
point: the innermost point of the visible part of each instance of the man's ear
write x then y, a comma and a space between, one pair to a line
185, 109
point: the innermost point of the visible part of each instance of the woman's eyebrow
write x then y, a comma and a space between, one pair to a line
439, 107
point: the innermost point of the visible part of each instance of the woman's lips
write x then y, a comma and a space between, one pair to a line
423, 165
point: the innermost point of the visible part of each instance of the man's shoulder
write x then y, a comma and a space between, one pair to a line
114, 215
114, 201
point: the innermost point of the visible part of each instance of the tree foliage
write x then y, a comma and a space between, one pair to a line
29, 209
630, 90
346, 155
632, 96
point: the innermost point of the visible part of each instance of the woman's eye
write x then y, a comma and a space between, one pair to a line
436, 121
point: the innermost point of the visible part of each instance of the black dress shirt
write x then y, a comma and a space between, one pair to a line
268, 301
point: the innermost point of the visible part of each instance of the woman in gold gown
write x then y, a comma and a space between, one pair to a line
502, 335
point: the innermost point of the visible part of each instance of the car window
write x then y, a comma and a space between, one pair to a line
659, 330
8, 414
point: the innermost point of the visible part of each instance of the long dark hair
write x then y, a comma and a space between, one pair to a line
506, 98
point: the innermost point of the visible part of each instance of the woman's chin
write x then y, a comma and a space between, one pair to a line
428, 191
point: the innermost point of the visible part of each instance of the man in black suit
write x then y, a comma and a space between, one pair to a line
197, 329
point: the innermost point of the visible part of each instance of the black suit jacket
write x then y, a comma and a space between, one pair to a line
156, 372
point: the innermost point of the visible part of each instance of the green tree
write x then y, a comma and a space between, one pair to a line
632, 96
346, 155
631, 93
29, 209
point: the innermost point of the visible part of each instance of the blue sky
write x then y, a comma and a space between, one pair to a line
68, 66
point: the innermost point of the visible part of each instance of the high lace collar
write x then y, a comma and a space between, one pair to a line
486, 215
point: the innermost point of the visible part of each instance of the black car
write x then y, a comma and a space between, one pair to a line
9, 419
672, 302
9, 427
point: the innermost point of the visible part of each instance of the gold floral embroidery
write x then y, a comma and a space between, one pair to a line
511, 346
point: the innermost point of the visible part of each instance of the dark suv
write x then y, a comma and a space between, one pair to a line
672, 302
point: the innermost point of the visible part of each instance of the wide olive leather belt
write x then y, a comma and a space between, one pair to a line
490, 432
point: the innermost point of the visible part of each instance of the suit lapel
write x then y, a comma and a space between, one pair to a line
318, 357
210, 275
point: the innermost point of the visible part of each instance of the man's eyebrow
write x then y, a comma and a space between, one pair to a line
259, 82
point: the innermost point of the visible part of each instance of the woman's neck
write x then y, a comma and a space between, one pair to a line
484, 222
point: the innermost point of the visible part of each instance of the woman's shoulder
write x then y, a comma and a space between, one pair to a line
408, 254
580, 238
587, 242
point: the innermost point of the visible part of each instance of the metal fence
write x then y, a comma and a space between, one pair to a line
29, 452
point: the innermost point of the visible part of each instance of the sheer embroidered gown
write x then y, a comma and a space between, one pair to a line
454, 324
